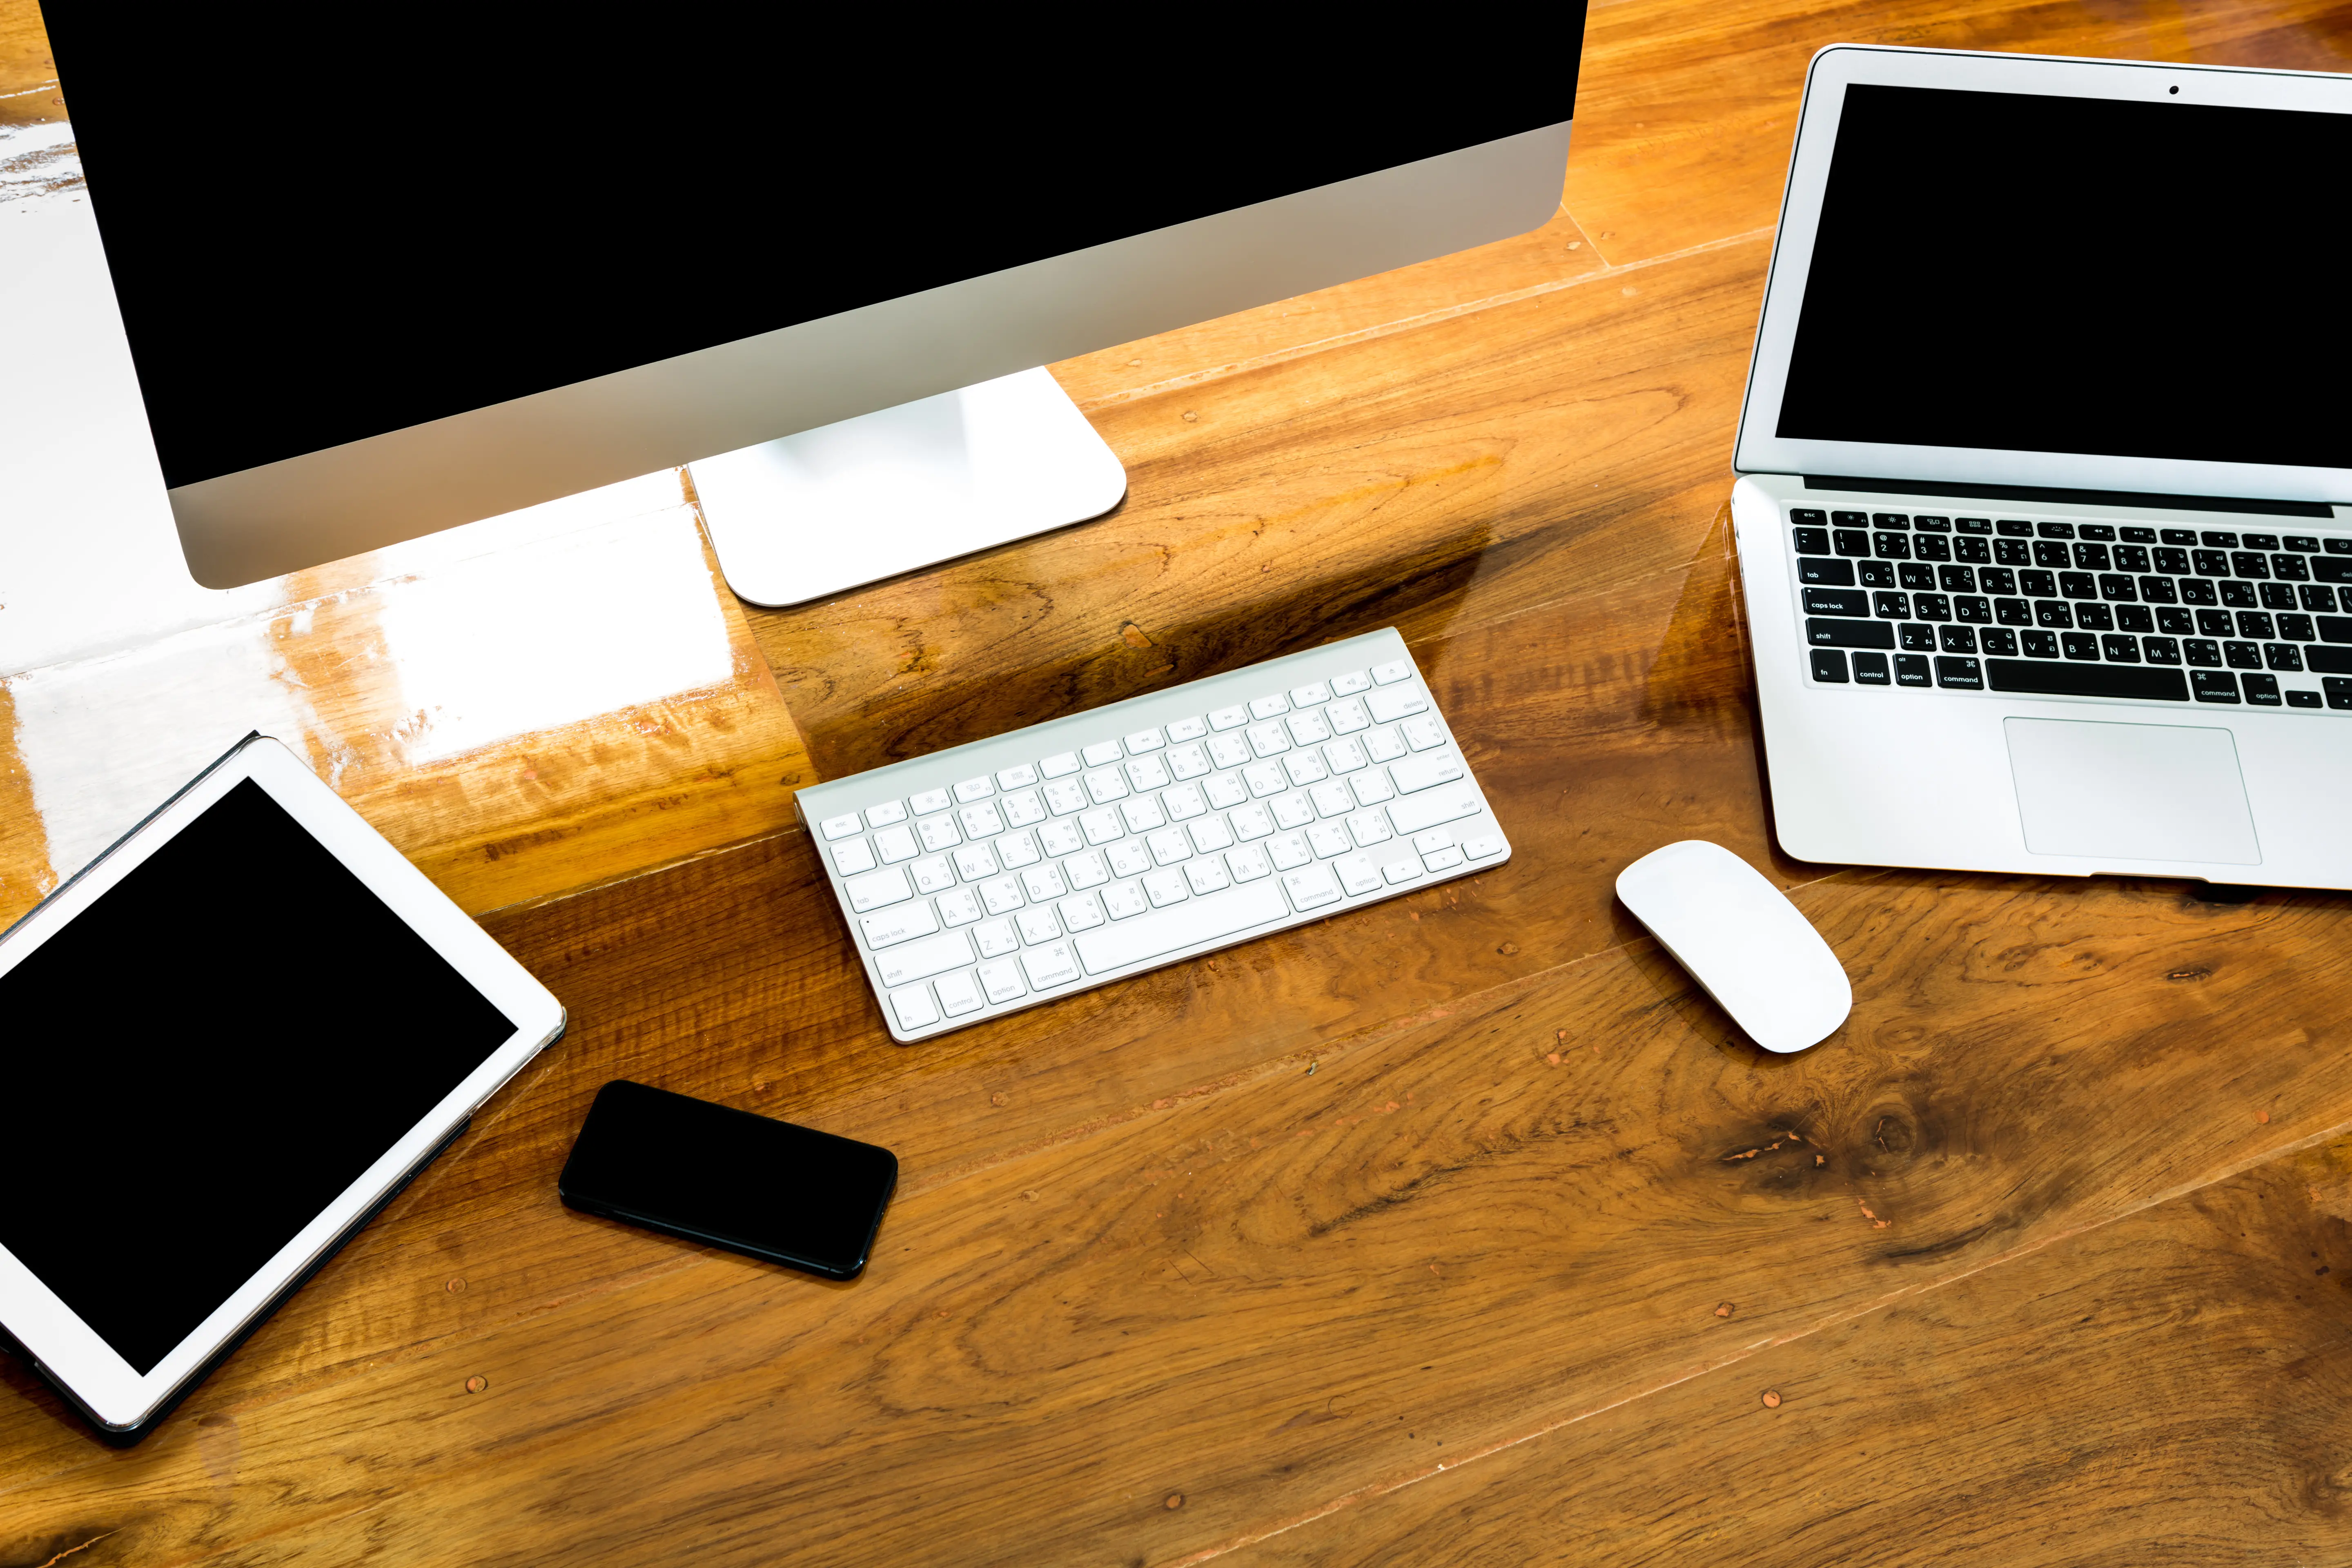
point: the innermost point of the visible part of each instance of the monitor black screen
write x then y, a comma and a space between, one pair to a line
2140, 280
200, 1061
321, 233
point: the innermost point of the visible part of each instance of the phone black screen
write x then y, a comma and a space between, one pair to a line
729, 1178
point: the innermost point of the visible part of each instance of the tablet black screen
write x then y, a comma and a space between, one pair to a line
203, 1060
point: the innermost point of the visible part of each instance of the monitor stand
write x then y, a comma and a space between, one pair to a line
904, 488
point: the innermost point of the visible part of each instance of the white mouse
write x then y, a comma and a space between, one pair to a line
1741, 938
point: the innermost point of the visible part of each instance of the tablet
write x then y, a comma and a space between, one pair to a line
228, 1042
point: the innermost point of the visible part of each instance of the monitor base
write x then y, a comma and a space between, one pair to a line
904, 488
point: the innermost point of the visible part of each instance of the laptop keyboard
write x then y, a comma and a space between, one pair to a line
2076, 609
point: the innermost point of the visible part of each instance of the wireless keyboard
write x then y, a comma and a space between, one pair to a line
999, 875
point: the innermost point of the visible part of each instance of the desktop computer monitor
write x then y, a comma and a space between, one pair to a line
377, 281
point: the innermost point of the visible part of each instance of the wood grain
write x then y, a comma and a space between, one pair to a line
1400, 1237
2170, 1388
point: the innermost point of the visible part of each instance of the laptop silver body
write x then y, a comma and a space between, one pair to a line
2042, 455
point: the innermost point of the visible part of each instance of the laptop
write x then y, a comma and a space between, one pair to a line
2044, 453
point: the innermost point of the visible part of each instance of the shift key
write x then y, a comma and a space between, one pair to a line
1413, 813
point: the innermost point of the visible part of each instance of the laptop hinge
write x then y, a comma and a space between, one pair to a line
2079, 498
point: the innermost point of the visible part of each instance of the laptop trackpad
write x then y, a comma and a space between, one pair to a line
2131, 792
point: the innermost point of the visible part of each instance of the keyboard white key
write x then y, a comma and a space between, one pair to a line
1210, 834
878, 892
1002, 982
1312, 887
1006, 873
1445, 803
914, 1007
1055, 966
920, 959
1417, 773
1189, 925
957, 994
904, 922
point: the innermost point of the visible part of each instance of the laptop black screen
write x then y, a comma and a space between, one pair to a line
2157, 280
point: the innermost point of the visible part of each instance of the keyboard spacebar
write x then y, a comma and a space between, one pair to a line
2049, 677
1186, 925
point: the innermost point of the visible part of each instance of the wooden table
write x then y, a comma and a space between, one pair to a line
1460, 1229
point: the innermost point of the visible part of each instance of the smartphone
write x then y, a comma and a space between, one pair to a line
730, 1179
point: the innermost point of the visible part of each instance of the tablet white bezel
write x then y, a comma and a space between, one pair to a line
67, 1348
1833, 69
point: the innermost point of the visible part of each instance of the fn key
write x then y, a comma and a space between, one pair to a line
1829, 665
